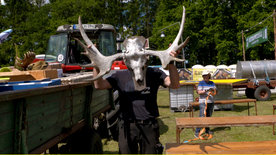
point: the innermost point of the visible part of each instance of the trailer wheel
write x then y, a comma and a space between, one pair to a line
96, 146
249, 92
262, 93
86, 141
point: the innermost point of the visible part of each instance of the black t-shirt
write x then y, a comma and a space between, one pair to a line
140, 105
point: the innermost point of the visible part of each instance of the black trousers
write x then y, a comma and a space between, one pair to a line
139, 137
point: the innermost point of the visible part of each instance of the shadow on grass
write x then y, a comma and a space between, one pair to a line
236, 108
110, 152
163, 106
163, 128
220, 129
240, 108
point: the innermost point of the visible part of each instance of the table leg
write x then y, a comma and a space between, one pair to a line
190, 112
178, 135
248, 108
256, 108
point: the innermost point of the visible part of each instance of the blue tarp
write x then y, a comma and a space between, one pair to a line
19, 85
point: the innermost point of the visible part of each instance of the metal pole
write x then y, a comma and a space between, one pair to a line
243, 49
274, 21
184, 65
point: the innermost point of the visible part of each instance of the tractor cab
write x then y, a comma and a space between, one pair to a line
63, 47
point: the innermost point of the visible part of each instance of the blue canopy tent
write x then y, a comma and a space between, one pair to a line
4, 35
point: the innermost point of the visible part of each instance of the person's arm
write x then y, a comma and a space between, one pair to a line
215, 90
100, 83
201, 92
172, 81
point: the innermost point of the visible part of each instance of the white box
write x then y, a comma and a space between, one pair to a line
224, 92
181, 97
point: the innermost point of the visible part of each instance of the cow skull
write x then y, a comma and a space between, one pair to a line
135, 56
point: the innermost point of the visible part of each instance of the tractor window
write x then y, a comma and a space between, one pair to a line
107, 44
57, 48
103, 40
75, 56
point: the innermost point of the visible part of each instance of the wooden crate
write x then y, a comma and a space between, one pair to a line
30, 75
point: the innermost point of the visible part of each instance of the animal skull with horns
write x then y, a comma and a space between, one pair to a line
135, 56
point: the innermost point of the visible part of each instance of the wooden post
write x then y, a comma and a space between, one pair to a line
274, 21
243, 49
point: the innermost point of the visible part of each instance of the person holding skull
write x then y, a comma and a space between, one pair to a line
138, 126
137, 87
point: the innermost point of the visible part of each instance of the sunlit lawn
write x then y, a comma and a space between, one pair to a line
229, 134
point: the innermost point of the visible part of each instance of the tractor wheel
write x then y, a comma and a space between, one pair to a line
262, 93
249, 92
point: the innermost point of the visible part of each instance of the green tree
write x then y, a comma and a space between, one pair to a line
15, 14
168, 13
253, 20
139, 17
214, 28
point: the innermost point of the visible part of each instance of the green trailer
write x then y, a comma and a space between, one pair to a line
51, 118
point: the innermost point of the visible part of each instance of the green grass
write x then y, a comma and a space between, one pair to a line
222, 134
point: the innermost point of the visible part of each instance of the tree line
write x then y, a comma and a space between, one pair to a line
214, 27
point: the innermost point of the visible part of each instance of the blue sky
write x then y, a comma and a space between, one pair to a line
2, 2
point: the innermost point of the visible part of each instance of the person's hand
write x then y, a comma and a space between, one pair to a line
174, 54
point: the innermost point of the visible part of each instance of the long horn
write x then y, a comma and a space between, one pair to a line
103, 63
165, 56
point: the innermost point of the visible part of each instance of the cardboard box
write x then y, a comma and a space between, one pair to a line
54, 66
44, 74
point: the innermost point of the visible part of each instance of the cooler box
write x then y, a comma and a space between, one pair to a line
19, 85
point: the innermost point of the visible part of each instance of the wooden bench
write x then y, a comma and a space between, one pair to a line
192, 104
256, 147
193, 122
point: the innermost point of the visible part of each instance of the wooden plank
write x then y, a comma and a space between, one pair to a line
192, 104
227, 101
192, 122
58, 138
11, 95
189, 122
45, 115
255, 147
16, 73
7, 117
30, 75
100, 99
